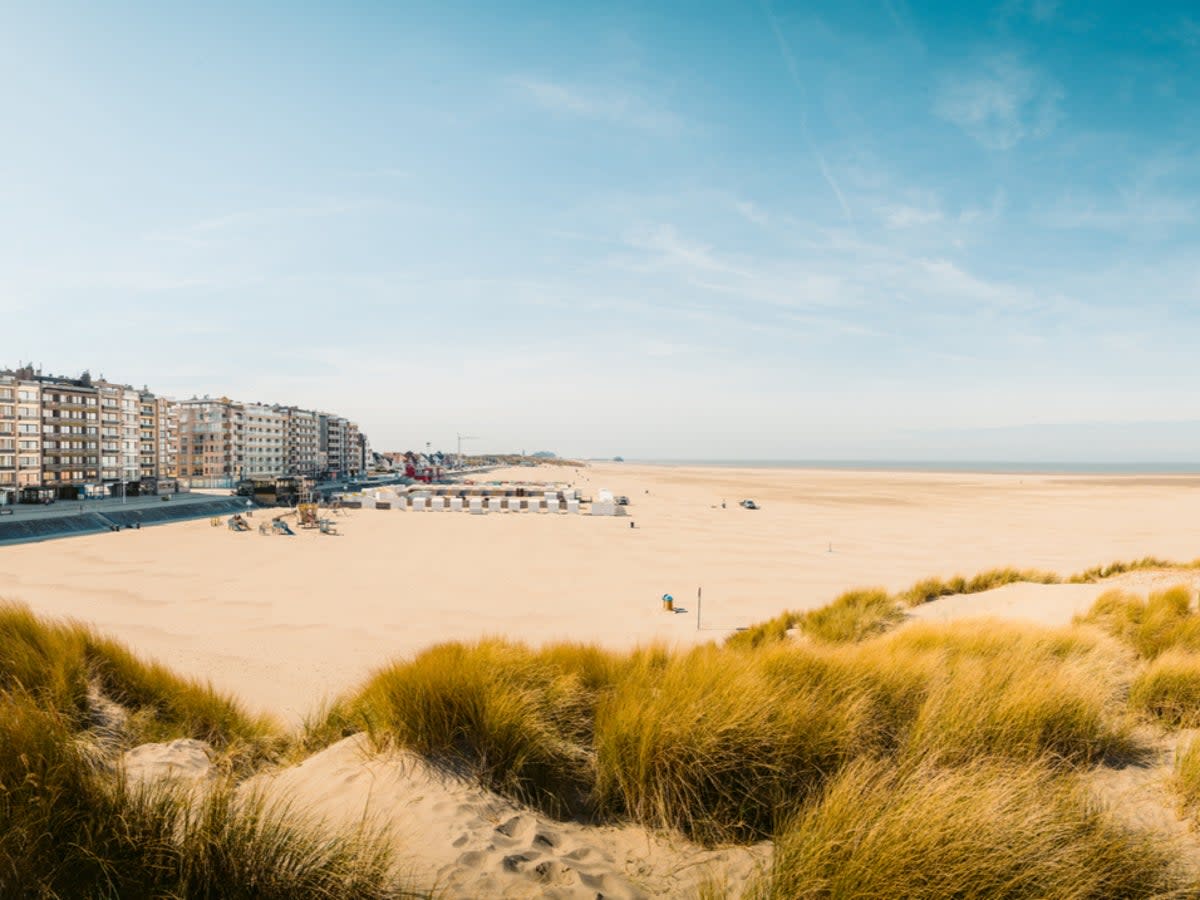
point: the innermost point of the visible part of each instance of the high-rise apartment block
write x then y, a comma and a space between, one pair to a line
302, 442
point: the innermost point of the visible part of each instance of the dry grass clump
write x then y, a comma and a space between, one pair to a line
1168, 689
720, 744
1187, 778
769, 632
930, 589
853, 616
1099, 573
1152, 625
984, 830
1014, 692
56, 662
515, 718
71, 827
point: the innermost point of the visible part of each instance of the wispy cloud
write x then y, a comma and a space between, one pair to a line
790, 61
903, 216
751, 213
1130, 210
1000, 101
627, 108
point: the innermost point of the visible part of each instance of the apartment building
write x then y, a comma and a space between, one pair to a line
302, 442
354, 463
20, 436
70, 432
211, 448
158, 440
333, 445
263, 441
71, 437
120, 438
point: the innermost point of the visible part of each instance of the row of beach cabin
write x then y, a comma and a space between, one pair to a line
566, 501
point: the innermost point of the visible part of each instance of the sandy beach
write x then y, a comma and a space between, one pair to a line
283, 622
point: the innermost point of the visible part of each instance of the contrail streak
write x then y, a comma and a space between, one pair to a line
790, 60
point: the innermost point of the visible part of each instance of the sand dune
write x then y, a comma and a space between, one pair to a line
470, 842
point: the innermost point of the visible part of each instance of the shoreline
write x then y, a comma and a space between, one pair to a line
929, 467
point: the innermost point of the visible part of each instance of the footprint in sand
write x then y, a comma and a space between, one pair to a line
515, 827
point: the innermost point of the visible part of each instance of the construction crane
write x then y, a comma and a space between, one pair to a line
461, 438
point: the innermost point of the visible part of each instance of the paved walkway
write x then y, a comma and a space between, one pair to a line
110, 504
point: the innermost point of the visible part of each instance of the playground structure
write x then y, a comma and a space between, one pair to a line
307, 514
238, 523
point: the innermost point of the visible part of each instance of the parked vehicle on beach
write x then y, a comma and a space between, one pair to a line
749, 504
622, 500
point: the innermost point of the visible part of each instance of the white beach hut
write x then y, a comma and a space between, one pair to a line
477, 506
456, 504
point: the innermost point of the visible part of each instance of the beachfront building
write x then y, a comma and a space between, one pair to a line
70, 433
333, 445
211, 442
263, 441
302, 442
20, 436
353, 459
120, 438
158, 443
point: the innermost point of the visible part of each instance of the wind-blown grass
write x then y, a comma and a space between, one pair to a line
1187, 778
1168, 689
930, 589
723, 743
1150, 625
70, 826
514, 718
1100, 573
985, 830
852, 616
56, 662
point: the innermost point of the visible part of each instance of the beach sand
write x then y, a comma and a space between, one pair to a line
283, 622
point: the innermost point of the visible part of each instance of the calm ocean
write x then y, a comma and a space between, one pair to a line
982, 467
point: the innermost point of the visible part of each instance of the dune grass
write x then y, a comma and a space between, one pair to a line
1100, 573
56, 662
71, 828
930, 589
514, 718
1187, 778
1168, 689
852, 616
984, 830
724, 744
1150, 625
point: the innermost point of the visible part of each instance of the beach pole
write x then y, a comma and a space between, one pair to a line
698, 596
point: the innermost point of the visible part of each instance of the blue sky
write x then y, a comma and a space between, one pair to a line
755, 230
